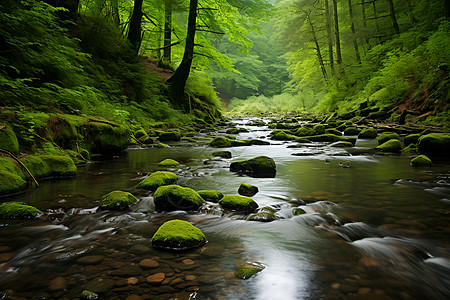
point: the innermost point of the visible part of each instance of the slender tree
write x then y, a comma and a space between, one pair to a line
329, 37
134, 31
167, 31
317, 47
352, 27
336, 33
393, 17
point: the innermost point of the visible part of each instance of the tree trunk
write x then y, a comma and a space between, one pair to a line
134, 31
336, 33
393, 18
352, 27
329, 37
115, 12
447, 8
178, 80
319, 54
167, 31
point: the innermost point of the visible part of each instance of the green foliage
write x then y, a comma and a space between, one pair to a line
261, 104
13, 210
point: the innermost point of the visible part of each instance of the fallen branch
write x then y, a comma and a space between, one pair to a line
105, 122
20, 163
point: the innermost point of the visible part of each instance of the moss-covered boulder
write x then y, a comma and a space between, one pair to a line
247, 190
117, 200
393, 145
7, 164
106, 139
11, 183
19, 210
333, 131
157, 179
303, 131
250, 142
236, 130
435, 144
178, 235
352, 131
411, 139
261, 166
412, 148
223, 154
210, 195
37, 166
341, 144
169, 136
168, 162
175, 197
258, 123
238, 203
8, 139
421, 161
161, 145
60, 165
368, 133
266, 214
386, 136
280, 135
221, 142
62, 132
319, 129
246, 271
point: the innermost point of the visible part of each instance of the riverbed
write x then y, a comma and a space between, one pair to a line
373, 227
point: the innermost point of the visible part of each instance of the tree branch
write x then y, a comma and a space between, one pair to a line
210, 31
167, 46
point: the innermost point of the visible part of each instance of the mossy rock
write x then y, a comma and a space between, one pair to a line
106, 139
412, 148
169, 136
84, 153
331, 138
140, 133
421, 161
178, 235
333, 131
392, 145
298, 211
11, 183
368, 133
341, 144
7, 164
263, 216
157, 179
258, 123
62, 132
60, 165
37, 166
238, 203
50, 149
8, 139
168, 163
352, 131
161, 145
18, 210
261, 166
223, 154
117, 200
88, 295
236, 130
411, 139
435, 144
319, 129
247, 190
210, 195
280, 135
220, 142
386, 136
175, 197
303, 131
248, 270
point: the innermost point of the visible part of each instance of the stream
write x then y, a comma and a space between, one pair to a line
379, 229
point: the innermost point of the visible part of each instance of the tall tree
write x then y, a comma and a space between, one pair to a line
352, 27
337, 38
134, 31
167, 56
329, 37
393, 17
317, 47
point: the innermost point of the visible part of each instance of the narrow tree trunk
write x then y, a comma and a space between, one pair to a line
178, 80
134, 31
375, 17
167, 31
115, 12
319, 54
329, 37
447, 8
352, 27
393, 18
336, 33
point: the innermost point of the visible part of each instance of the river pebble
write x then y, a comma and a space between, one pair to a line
156, 278
149, 263
90, 260
131, 270
57, 284
99, 285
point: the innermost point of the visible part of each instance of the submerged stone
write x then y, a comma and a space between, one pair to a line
386, 136
11, 183
168, 163
261, 166
210, 195
248, 270
247, 190
262, 216
157, 179
393, 145
178, 235
60, 165
117, 200
421, 161
341, 144
18, 210
368, 133
435, 144
280, 135
223, 154
238, 203
175, 197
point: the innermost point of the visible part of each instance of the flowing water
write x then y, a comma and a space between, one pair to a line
378, 229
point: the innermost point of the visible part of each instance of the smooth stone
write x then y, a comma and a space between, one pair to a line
149, 263
132, 270
190, 277
156, 278
139, 249
90, 260
99, 285
132, 281
176, 281
188, 261
58, 284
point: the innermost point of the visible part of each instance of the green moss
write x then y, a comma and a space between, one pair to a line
421, 161
262, 216
368, 133
13, 210
298, 211
210, 195
7, 164
168, 163
247, 190
303, 131
161, 145
88, 295
319, 129
261, 166
169, 136
106, 139
341, 144
140, 133
175, 197
280, 135
158, 179
411, 139
11, 183
50, 149
37, 166
223, 154
238, 203
435, 144
331, 138
333, 131
412, 148
117, 200
393, 145
232, 131
60, 165
61, 131
352, 131
8, 139
246, 271
258, 123
220, 142
178, 235
386, 136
